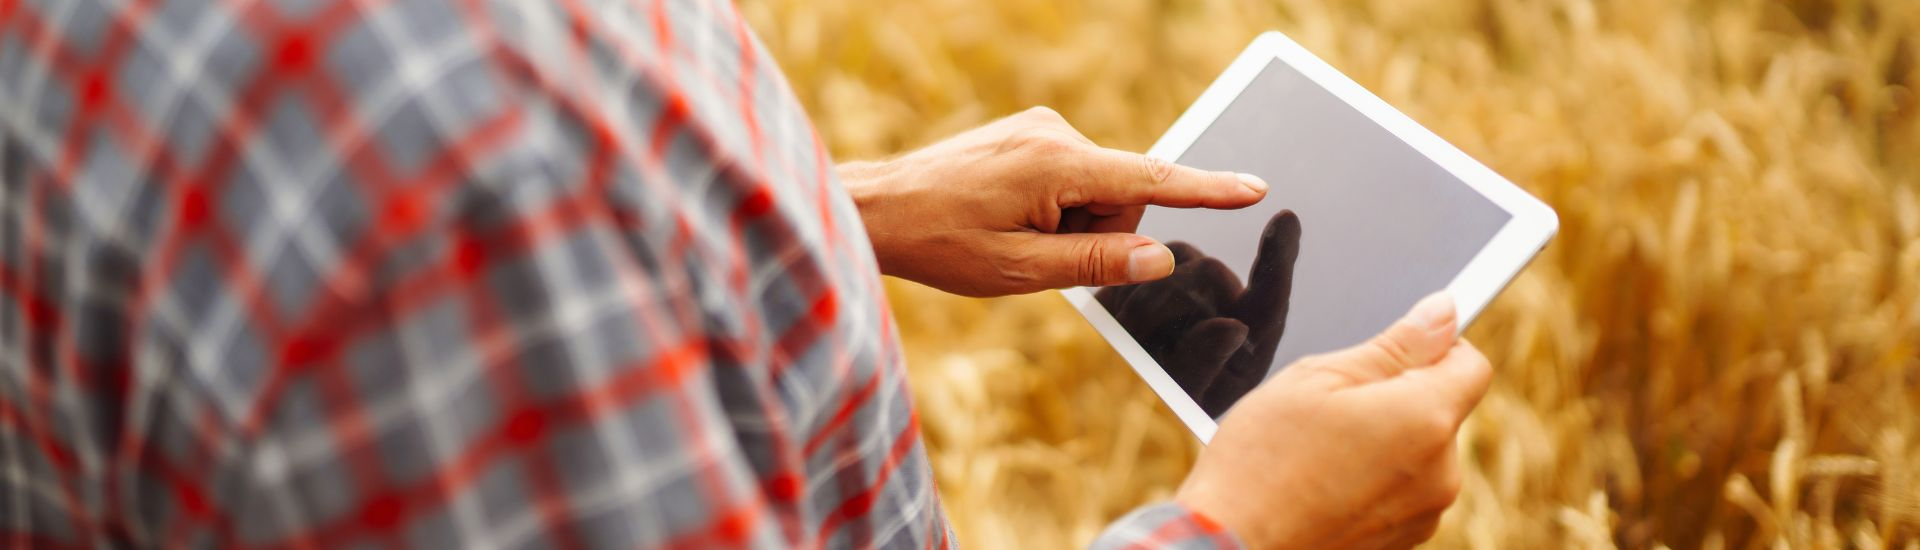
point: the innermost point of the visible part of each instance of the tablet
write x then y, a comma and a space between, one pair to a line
1367, 213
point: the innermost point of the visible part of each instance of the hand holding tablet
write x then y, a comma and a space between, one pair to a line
1349, 449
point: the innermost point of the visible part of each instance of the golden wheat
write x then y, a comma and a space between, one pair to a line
1718, 351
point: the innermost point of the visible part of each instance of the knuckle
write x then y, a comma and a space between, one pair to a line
1092, 268
1392, 348
1069, 195
1019, 266
1156, 170
1009, 277
1042, 142
1043, 113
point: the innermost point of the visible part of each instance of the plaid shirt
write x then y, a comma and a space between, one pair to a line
485, 273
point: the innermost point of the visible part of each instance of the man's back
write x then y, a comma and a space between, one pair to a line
432, 272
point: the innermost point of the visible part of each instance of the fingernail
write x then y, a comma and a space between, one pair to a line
1252, 182
1434, 311
1149, 262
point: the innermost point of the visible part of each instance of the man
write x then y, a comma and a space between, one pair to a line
485, 273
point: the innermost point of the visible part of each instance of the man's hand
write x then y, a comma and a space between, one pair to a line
1352, 449
1214, 338
1026, 204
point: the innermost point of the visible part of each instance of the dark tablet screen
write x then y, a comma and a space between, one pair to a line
1358, 225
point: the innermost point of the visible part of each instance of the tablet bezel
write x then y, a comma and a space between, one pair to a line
1532, 224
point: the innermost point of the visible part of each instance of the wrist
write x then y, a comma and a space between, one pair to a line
873, 186
861, 179
1252, 528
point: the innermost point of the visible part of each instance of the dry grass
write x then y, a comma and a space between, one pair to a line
1718, 351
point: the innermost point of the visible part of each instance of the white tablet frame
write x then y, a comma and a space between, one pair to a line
1512, 247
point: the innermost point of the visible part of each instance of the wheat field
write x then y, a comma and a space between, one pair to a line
1718, 351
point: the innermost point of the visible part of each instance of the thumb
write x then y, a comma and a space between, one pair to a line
1092, 259
1419, 339
1454, 383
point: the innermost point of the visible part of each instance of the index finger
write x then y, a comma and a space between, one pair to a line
1120, 178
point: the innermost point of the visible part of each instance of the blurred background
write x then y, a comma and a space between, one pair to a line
1718, 351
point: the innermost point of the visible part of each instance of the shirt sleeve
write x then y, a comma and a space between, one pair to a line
1165, 525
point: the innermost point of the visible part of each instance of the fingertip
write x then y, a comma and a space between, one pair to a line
1253, 183
1434, 313
1424, 335
1227, 190
1251, 190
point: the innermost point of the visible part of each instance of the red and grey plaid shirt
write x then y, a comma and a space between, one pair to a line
432, 273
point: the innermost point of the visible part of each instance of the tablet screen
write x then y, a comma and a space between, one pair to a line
1357, 227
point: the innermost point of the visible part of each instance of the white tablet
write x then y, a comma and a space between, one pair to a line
1367, 213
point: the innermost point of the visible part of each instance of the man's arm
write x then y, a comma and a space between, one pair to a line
1353, 448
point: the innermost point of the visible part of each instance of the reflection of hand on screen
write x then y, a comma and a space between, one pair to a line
1215, 338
